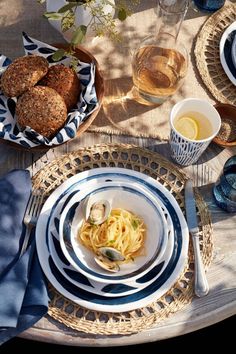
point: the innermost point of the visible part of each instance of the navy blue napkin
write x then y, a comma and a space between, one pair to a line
23, 290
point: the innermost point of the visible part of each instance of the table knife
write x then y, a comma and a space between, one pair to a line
201, 284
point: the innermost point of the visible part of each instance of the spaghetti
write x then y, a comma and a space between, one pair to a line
122, 230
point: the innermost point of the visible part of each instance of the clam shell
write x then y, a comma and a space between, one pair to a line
106, 264
111, 253
91, 202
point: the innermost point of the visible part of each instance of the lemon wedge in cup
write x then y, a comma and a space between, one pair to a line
187, 127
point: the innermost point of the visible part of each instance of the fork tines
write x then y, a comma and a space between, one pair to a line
35, 201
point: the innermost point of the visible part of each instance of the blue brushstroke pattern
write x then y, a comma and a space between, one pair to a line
58, 249
27, 38
45, 50
117, 288
70, 132
6, 62
151, 274
31, 47
2, 103
24, 143
78, 277
11, 104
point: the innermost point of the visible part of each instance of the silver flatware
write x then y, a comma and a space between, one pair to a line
31, 216
201, 284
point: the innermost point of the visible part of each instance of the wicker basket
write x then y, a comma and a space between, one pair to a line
85, 56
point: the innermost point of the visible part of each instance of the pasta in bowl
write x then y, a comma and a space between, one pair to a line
117, 240
132, 238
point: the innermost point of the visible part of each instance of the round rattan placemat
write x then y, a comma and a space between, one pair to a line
207, 55
150, 163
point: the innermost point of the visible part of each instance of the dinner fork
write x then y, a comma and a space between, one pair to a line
31, 216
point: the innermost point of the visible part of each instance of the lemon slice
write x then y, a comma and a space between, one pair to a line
188, 127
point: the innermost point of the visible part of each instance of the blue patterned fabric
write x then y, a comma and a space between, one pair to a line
87, 103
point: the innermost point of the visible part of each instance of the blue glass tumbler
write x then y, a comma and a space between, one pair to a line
209, 5
225, 189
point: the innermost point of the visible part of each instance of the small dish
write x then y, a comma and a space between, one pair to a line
227, 113
226, 43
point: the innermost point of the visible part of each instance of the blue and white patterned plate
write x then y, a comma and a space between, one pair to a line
125, 196
110, 290
228, 52
88, 102
150, 292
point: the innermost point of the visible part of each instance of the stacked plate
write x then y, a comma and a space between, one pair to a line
135, 285
228, 52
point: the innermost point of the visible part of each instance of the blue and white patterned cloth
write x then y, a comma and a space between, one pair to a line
88, 102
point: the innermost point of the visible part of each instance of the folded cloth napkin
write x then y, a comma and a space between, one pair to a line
23, 291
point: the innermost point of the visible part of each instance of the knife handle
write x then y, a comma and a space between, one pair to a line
201, 284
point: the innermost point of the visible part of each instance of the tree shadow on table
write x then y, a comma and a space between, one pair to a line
121, 102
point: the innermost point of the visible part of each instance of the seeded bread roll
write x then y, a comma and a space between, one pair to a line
42, 109
65, 81
22, 74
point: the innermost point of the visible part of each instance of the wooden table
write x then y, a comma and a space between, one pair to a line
221, 301
202, 312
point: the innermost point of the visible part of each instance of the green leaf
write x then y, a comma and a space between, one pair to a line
78, 35
58, 55
52, 15
122, 14
67, 7
41, 1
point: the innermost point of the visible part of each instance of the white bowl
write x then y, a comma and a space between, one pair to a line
125, 196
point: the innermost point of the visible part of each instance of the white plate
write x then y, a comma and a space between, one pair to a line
226, 50
125, 196
82, 282
121, 303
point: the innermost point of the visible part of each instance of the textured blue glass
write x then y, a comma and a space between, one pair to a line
225, 190
209, 5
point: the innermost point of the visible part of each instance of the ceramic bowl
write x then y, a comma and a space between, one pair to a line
226, 112
124, 196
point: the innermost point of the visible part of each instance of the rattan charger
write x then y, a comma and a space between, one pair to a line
208, 58
154, 165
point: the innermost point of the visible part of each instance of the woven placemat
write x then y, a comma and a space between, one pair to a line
208, 58
154, 165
